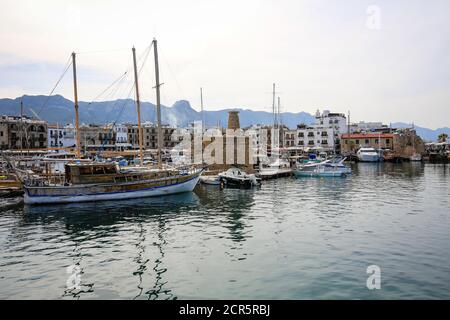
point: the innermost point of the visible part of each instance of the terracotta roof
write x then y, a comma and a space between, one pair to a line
367, 135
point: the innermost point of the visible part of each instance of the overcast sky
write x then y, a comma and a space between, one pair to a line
382, 60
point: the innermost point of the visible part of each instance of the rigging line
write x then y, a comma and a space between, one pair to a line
171, 72
118, 80
146, 54
68, 64
102, 51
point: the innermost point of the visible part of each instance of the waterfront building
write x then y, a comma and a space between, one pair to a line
335, 121
150, 136
324, 134
22, 133
363, 126
289, 138
121, 135
60, 137
350, 143
95, 137
316, 137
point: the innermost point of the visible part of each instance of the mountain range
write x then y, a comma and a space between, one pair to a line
57, 109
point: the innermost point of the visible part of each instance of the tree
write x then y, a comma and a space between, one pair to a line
443, 137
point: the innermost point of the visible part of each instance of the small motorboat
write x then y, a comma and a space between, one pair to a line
368, 155
238, 178
323, 169
338, 163
415, 157
210, 180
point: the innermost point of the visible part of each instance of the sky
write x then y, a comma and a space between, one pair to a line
382, 60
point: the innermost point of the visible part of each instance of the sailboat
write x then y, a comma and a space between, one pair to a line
278, 167
96, 181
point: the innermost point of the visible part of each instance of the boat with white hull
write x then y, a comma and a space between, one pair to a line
279, 168
368, 155
103, 181
238, 178
322, 169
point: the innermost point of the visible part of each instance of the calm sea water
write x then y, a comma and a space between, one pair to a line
290, 239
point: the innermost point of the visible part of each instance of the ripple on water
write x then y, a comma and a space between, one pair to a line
291, 238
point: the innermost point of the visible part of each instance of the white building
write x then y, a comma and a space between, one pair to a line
324, 134
367, 126
315, 137
337, 121
60, 137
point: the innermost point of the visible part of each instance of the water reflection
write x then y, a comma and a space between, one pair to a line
232, 204
292, 238
87, 221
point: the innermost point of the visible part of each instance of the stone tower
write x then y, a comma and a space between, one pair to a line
233, 120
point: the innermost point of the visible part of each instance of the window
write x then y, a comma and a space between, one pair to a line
1, 133
98, 170
357, 141
300, 143
367, 141
376, 141
311, 142
388, 141
85, 171
301, 135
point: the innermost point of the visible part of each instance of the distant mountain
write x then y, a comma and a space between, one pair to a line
426, 134
57, 109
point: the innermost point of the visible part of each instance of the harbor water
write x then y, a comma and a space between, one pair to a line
306, 238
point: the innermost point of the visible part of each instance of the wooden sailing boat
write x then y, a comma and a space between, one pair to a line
106, 181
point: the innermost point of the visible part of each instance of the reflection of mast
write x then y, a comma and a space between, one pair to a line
141, 263
158, 289
76, 292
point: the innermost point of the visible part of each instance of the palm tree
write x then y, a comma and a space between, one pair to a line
443, 137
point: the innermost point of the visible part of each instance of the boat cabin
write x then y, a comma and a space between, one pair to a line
80, 173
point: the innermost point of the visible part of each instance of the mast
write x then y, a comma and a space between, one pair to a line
21, 127
280, 125
138, 106
158, 102
75, 91
201, 104
273, 107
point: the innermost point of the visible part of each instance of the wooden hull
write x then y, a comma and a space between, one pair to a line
99, 192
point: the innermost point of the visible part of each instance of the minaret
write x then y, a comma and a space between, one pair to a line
233, 120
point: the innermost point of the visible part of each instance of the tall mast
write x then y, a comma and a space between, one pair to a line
138, 106
75, 91
273, 107
21, 126
158, 103
279, 120
201, 104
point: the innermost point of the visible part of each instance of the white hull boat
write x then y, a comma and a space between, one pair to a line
97, 182
210, 180
368, 155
